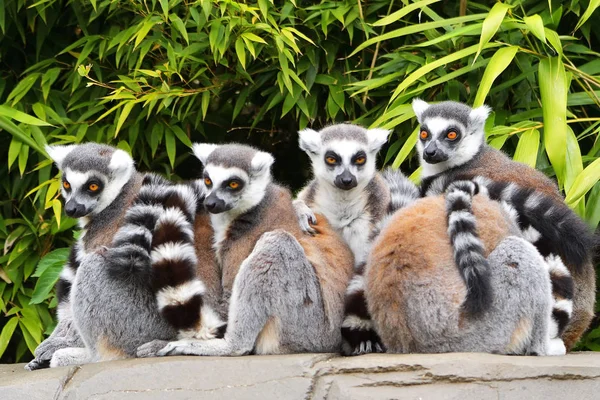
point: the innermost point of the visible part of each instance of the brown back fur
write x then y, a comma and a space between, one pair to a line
328, 253
414, 249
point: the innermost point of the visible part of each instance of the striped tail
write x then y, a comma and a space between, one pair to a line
358, 333
403, 191
156, 244
562, 294
467, 247
550, 225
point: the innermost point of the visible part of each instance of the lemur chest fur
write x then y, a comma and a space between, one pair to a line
348, 213
220, 224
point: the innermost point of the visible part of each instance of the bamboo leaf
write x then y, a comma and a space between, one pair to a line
536, 26
124, 114
491, 24
239, 102
252, 37
205, 102
171, 147
18, 133
553, 91
407, 147
527, 149
395, 16
7, 333
240, 51
180, 26
21, 116
592, 210
498, 63
422, 71
22, 88
48, 271
416, 29
593, 5
584, 182
554, 40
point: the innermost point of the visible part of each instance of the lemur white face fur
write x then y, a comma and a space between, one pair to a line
235, 176
343, 155
451, 134
92, 176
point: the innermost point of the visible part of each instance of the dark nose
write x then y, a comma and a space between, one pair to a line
214, 205
345, 180
431, 149
74, 209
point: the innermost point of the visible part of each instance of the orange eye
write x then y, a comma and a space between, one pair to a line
452, 135
360, 160
207, 182
93, 187
330, 160
423, 135
66, 185
234, 184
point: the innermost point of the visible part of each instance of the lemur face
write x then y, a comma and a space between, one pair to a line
235, 176
450, 133
440, 138
92, 176
343, 155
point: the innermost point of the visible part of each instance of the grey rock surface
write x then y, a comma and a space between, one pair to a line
314, 376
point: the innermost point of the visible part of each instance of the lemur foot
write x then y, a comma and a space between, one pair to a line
151, 349
46, 349
70, 356
192, 347
305, 216
557, 347
357, 340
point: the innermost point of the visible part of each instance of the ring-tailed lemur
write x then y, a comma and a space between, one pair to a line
98, 184
452, 147
416, 294
355, 199
112, 301
143, 288
284, 288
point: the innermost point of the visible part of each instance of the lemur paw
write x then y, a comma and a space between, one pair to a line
151, 349
361, 341
306, 217
557, 347
45, 351
37, 363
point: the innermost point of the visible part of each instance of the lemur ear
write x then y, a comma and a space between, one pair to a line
58, 153
309, 141
377, 138
261, 162
120, 162
419, 106
478, 116
203, 150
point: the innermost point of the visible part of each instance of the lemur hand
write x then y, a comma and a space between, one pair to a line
357, 340
305, 216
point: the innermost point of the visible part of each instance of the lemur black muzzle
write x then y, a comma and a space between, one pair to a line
75, 210
433, 155
215, 205
345, 181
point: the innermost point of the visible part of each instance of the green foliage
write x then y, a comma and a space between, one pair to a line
153, 76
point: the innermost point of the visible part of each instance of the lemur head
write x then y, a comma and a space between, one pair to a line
92, 176
343, 154
236, 176
451, 134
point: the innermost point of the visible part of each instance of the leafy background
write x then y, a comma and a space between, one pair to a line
153, 76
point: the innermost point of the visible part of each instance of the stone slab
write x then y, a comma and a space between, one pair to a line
314, 376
